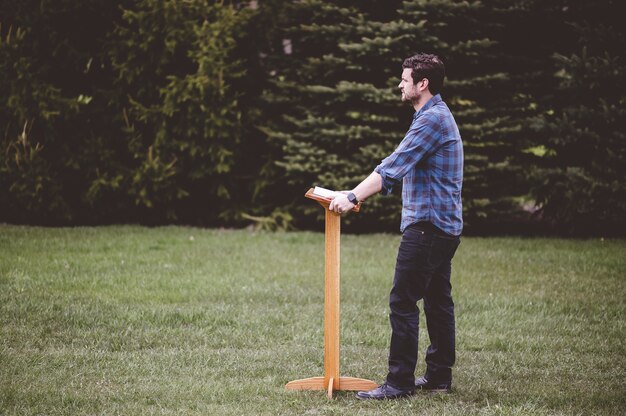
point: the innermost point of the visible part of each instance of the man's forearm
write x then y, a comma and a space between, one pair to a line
370, 186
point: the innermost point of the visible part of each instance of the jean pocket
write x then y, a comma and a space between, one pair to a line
415, 251
416, 238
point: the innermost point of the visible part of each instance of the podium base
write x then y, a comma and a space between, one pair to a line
343, 383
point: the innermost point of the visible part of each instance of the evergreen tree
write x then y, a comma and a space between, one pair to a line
207, 113
580, 180
336, 110
336, 104
344, 112
478, 90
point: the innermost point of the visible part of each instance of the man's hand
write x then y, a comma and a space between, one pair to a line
370, 185
340, 204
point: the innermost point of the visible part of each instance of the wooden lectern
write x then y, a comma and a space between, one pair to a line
331, 380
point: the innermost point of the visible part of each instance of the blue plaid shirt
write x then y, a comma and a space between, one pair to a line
429, 161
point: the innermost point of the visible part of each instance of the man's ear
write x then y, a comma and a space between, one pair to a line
424, 86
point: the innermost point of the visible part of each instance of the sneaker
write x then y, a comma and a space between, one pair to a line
384, 391
423, 384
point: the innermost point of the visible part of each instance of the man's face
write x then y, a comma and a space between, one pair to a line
410, 92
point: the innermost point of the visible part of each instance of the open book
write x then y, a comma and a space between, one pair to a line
324, 196
324, 193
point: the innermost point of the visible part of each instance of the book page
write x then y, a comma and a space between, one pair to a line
325, 193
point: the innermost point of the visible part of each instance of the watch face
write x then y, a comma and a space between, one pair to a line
352, 198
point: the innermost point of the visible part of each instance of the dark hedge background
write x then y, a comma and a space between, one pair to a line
224, 113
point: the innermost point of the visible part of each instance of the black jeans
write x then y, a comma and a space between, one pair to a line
423, 271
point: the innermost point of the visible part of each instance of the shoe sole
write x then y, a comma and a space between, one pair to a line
404, 396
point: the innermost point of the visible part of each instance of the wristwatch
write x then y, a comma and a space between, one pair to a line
352, 198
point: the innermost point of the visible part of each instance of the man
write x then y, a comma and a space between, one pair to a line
429, 162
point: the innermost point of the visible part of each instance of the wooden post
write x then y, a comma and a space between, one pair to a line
331, 381
331, 297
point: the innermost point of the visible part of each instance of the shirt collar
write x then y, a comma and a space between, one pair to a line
430, 103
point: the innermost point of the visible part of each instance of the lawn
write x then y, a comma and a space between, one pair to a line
174, 320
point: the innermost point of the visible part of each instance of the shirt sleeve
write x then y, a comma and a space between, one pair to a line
420, 141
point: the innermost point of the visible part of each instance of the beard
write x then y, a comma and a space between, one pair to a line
410, 96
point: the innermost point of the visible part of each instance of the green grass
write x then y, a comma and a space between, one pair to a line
173, 320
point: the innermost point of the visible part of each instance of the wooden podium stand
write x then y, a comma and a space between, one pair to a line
331, 380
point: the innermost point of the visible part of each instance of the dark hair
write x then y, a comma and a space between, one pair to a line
429, 67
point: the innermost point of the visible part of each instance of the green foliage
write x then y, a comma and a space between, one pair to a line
333, 104
483, 75
336, 111
139, 123
580, 184
173, 61
25, 181
201, 112
33, 112
340, 112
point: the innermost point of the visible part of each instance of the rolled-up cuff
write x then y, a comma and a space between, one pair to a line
387, 184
